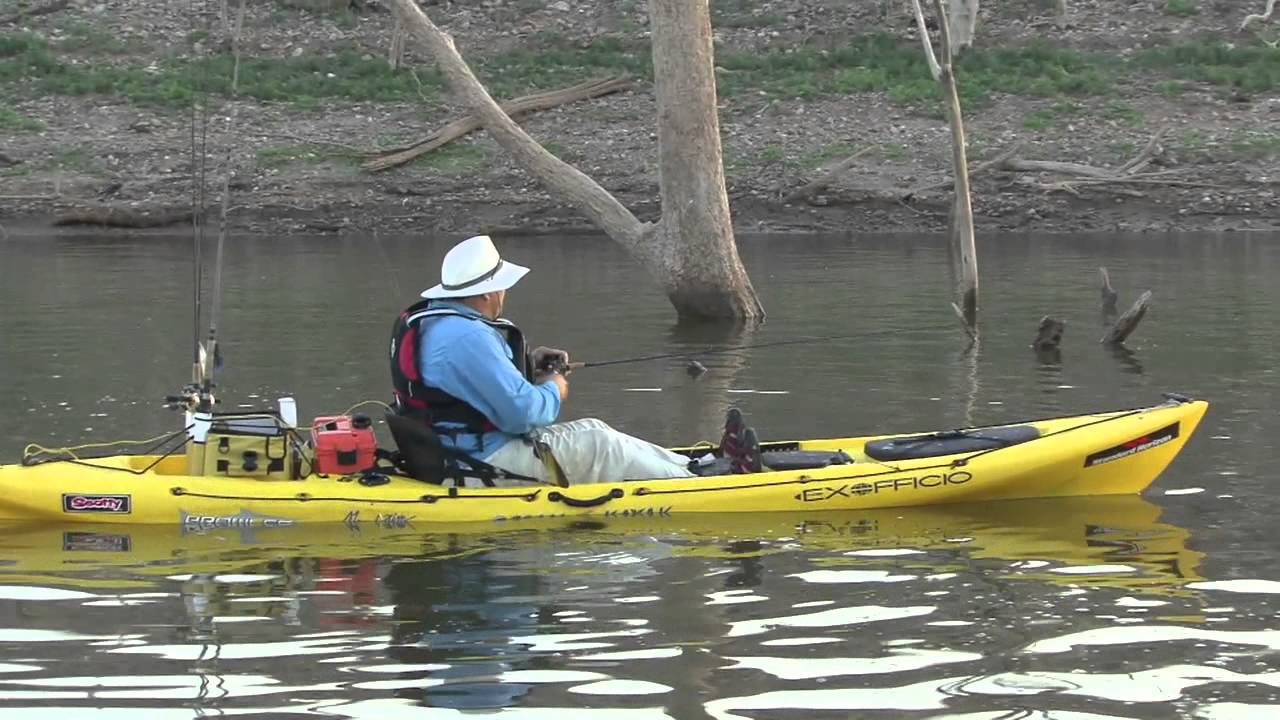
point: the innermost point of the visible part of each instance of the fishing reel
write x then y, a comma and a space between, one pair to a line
555, 364
194, 397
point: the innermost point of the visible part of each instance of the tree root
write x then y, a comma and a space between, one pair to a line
461, 127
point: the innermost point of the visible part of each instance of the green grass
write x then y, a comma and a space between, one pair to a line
456, 158
870, 63
825, 154
1124, 113
1251, 145
16, 122
1253, 68
880, 63
1182, 8
1052, 116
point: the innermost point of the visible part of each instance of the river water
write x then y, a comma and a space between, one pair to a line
1157, 606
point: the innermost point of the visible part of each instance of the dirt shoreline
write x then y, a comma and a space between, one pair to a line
93, 151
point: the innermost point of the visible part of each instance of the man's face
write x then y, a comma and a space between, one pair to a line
500, 300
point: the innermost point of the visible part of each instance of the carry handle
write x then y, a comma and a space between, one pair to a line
613, 494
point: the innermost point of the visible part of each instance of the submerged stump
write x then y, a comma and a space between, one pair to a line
1127, 322
1049, 334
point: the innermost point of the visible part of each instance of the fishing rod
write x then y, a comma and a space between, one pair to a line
738, 348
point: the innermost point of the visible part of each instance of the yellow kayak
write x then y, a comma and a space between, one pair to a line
1106, 453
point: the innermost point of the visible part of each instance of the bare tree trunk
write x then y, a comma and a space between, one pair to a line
395, 54
696, 229
964, 22
691, 253
961, 232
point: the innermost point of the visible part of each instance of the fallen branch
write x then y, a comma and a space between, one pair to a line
464, 126
121, 218
825, 179
1128, 322
1148, 153
980, 167
52, 7
1264, 17
1089, 175
1053, 166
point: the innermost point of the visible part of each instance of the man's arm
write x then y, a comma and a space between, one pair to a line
479, 364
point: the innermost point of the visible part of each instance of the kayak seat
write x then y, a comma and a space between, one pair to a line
949, 443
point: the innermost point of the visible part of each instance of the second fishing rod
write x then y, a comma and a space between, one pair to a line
730, 349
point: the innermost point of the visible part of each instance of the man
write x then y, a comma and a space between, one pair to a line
460, 367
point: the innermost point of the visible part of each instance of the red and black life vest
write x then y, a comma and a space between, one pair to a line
432, 405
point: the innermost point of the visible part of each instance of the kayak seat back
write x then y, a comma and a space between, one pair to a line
949, 443
423, 457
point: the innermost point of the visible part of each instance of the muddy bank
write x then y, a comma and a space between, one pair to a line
296, 165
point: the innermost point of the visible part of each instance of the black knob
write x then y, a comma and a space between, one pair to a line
361, 421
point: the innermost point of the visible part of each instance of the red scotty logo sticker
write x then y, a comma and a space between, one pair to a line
1134, 446
103, 504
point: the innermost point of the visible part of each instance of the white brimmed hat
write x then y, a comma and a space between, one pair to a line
473, 267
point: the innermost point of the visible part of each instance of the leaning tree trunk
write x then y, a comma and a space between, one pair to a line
961, 231
691, 253
964, 22
696, 232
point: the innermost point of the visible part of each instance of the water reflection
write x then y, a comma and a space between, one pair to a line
481, 618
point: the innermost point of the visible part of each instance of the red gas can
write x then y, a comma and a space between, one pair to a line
344, 444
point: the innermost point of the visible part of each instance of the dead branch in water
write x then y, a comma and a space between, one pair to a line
461, 127
121, 218
46, 9
1128, 322
1109, 294
1049, 334
823, 181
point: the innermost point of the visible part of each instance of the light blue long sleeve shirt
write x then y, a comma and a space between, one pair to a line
473, 362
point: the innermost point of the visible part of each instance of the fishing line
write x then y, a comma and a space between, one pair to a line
752, 346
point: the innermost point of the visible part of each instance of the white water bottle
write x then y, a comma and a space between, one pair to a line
289, 411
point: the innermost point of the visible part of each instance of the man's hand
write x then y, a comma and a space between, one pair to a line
545, 358
540, 377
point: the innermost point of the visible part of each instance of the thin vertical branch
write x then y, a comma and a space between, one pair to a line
934, 68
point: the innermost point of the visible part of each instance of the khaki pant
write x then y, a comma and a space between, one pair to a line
589, 451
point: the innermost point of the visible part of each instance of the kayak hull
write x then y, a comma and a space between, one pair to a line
1119, 452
